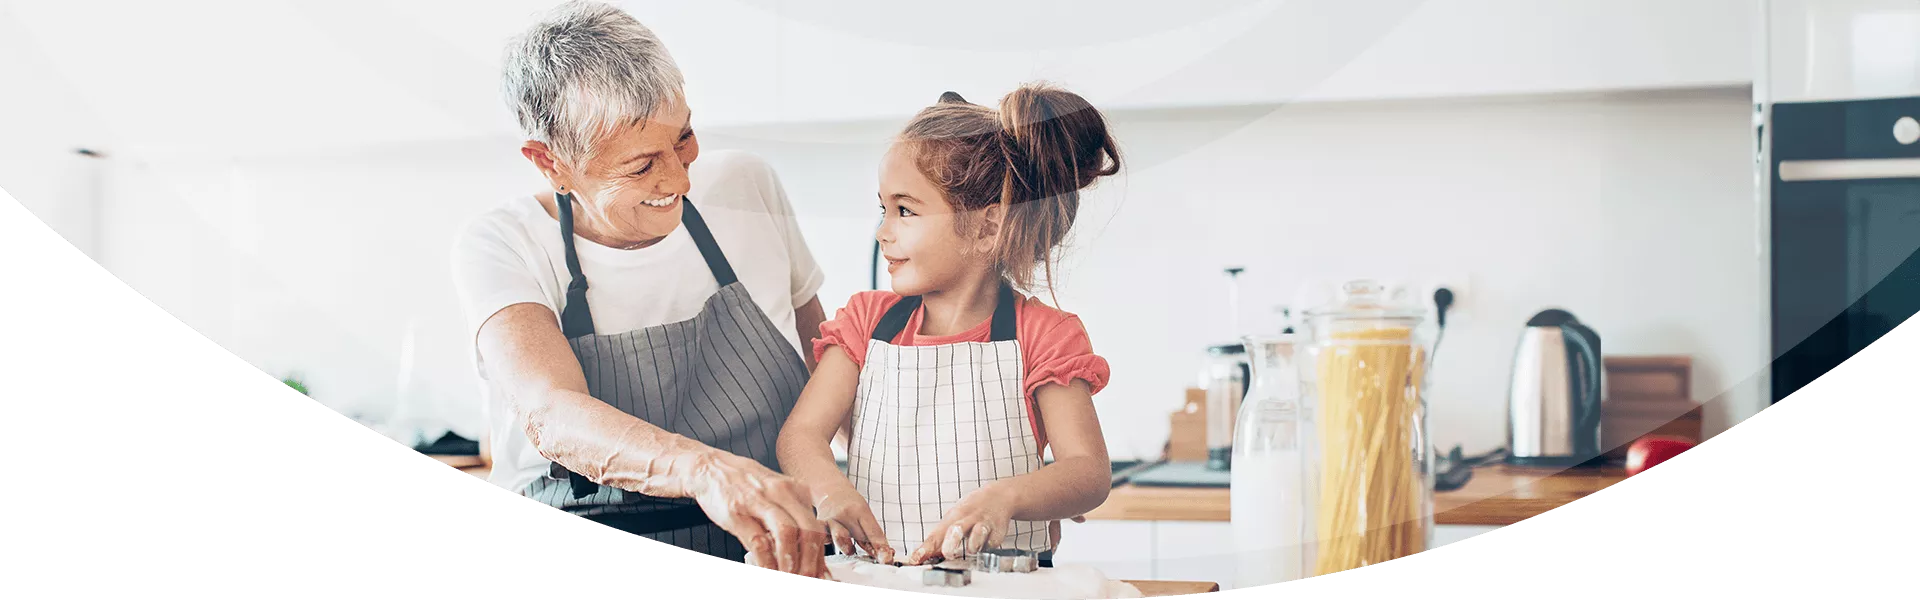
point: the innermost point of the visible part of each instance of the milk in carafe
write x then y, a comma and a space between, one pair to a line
1270, 494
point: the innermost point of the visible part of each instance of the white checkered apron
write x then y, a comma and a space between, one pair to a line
934, 423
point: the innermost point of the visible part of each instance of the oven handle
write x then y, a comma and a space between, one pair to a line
1849, 169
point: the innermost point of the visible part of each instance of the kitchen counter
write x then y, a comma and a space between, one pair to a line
1497, 495
1147, 587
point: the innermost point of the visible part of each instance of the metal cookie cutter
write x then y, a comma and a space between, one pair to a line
951, 574
869, 559
1006, 560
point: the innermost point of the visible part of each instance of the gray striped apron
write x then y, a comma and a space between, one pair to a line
726, 378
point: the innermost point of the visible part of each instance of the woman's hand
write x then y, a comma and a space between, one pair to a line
769, 513
528, 357
850, 521
979, 521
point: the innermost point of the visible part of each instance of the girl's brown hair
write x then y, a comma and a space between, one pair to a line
1034, 154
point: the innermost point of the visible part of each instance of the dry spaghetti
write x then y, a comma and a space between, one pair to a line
1372, 498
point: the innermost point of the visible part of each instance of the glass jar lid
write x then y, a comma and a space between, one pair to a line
1367, 300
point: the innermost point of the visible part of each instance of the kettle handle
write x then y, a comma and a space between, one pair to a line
1587, 344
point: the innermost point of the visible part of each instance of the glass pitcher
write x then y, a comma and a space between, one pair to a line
1269, 524
1367, 463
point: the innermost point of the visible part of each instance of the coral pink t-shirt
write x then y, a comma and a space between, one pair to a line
1053, 344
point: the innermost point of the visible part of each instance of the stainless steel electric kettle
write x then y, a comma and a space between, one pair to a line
1553, 407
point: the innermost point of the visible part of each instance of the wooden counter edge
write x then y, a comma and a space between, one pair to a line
1171, 588
1129, 502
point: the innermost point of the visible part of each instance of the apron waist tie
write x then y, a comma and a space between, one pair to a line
660, 521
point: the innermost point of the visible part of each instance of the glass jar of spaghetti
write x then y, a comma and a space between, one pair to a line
1367, 462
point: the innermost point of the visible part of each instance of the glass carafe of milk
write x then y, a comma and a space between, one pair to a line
1269, 492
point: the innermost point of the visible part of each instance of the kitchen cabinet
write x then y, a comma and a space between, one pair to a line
1194, 551
727, 51
1445, 48
1183, 550
1837, 50
1119, 549
756, 62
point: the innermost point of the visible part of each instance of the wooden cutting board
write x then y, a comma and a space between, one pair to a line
1647, 395
1187, 440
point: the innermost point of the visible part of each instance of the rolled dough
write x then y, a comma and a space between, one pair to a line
1058, 583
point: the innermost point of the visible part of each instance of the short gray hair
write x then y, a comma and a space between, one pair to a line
583, 70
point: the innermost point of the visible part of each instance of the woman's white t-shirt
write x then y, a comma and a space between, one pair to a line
513, 254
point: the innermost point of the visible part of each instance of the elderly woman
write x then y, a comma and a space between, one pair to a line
640, 326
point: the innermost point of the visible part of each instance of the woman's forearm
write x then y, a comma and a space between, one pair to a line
529, 360
613, 448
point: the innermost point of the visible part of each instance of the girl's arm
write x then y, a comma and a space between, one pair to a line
1078, 479
806, 322
807, 319
806, 454
803, 447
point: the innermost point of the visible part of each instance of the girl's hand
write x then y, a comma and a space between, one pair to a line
980, 521
850, 520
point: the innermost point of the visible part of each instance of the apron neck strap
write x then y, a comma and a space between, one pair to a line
703, 239
576, 318
1005, 323
1005, 327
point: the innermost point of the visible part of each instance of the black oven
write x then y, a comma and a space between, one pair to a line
1845, 223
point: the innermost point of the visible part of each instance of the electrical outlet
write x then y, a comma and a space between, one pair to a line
1422, 291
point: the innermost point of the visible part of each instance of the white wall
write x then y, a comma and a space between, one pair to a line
38, 165
321, 266
1635, 212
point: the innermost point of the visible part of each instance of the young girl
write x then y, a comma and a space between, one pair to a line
953, 384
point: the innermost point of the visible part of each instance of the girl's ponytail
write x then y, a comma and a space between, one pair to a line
1055, 144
